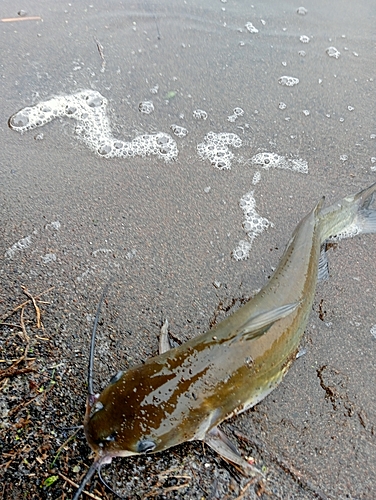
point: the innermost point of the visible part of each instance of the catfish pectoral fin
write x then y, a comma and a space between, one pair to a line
221, 444
259, 324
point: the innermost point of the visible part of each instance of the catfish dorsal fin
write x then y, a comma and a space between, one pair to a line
259, 324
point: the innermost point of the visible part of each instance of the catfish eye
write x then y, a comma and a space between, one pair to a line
110, 438
116, 377
145, 445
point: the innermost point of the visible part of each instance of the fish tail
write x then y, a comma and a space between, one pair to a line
349, 217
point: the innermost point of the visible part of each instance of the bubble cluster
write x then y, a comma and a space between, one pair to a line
251, 28
146, 107
282, 105
333, 52
178, 130
200, 114
215, 148
272, 160
288, 81
253, 225
19, 246
236, 113
89, 107
256, 178
241, 252
304, 39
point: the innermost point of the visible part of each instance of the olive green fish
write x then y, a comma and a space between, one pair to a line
186, 392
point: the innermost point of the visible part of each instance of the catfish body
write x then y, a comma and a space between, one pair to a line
185, 392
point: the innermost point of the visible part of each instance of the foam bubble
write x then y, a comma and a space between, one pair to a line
251, 28
304, 39
241, 252
49, 257
288, 81
215, 148
236, 113
146, 107
200, 114
178, 130
272, 160
282, 105
89, 107
253, 225
256, 178
333, 52
19, 246
302, 11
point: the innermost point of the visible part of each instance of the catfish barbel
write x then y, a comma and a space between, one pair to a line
186, 392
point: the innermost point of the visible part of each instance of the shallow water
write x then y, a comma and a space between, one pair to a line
296, 90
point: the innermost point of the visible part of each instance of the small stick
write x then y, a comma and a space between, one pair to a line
13, 360
76, 486
101, 53
7, 315
244, 490
14, 456
37, 310
12, 325
26, 336
12, 19
12, 372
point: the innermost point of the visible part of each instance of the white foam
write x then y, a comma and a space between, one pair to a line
215, 148
236, 113
271, 160
253, 224
288, 81
19, 246
304, 39
178, 130
49, 257
302, 11
146, 107
251, 28
333, 52
241, 252
256, 178
200, 114
89, 107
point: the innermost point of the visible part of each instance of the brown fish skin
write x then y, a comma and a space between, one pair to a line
184, 393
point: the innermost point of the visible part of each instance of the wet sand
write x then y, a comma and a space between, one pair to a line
164, 240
